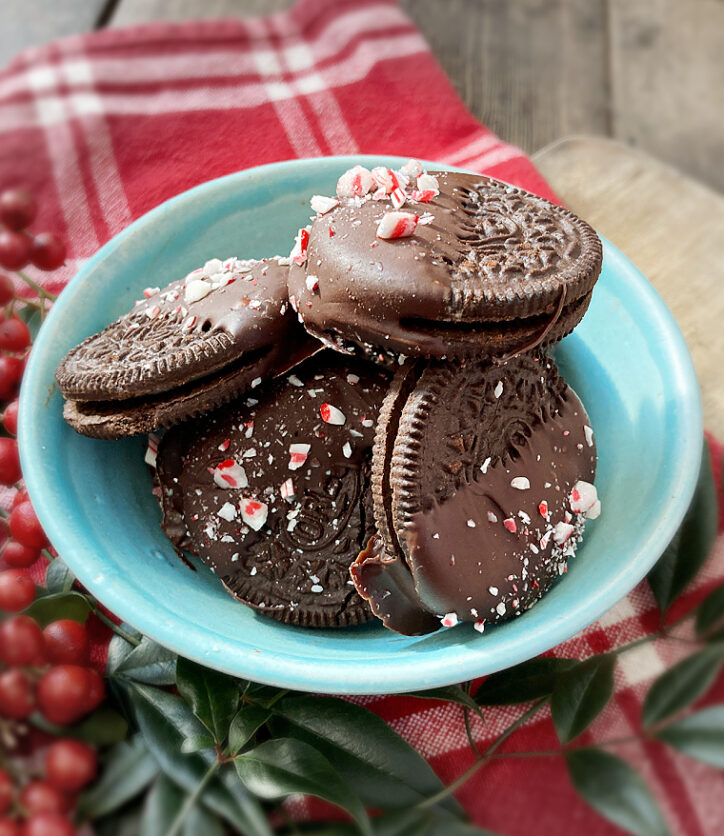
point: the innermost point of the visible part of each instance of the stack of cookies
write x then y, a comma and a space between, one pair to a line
371, 426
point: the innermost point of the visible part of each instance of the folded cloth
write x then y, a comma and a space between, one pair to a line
103, 127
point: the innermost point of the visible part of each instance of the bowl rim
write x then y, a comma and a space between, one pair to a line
337, 675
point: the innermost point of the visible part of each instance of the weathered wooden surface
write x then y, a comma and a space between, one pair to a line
30, 22
669, 225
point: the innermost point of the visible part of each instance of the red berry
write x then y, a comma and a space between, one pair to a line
9, 827
21, 495
11, 372
17, 591
48, 251
7, 289
25, 526
43, 797
17, 208
48, 824
70, 765
96, 690
66, 643
10, 417
63, 694
7, 791
14, 249
17, 700
18, 556
21, 641
14, 335
9, 461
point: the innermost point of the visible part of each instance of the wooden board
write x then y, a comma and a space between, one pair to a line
26, 23
670, 226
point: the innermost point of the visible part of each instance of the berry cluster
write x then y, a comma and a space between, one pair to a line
18, 248
42, 806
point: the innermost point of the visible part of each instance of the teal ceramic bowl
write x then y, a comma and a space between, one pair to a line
627, 361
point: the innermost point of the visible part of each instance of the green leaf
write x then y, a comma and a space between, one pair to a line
58, 577
691, 544
103, 727
161, 807
450, 693
149, 663
213, 696
710, 613
248, 720
580, 695
700, 735
121, 823
197, 743
59, 605
528, 681
616, 790
679, 686
165, 721
200, 822
282, 767
402, 823
384, 769
119, 649
128, 769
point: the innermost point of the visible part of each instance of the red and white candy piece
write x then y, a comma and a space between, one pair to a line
427, 181
398, 198
287, 489
153, 311
479, 625
230, 474
520, 483
321, 204
148, 292
412, 169
583, 499
543, 509
152, 449
423, 195
562, 532
510, 525
298, 455
301, 243
450, 619
385, 179
355, 182
397, 225
196, 290
227, 512
331, 415
312, 283
254, 513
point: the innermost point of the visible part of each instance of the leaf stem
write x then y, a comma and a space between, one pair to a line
117, 629
41, 291
485, 758
188, 804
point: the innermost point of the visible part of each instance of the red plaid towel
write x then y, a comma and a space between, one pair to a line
105, 126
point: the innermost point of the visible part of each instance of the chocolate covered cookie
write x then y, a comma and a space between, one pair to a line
184, 349
272, 492
482, 479
442, 264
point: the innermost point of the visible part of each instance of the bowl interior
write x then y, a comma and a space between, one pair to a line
627, 361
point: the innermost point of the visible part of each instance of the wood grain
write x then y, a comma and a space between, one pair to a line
26, 23
669, 225
667, 70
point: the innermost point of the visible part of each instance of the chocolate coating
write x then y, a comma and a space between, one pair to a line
484, 271
295, 567
175, 355
463, 456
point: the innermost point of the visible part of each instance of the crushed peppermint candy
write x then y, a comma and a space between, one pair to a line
355, 182
312, 283
510, 525
500, 609
398, 198
498, 391
397, 225
485, 465
230, 474
491, 517
583, 497
385, 179
471, 523
594, 511
479, 625
196, 290
301, 244
254, 513
287, 489
153, 311
316, 588
450, 619
588, 432
331, 415
321, 204
352, 379
520, 483
543, 509
427, 181
347, 450
148, 292
412, 169
152, 450
493, 590
424, 195
227, 512
298, 455
562, 532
